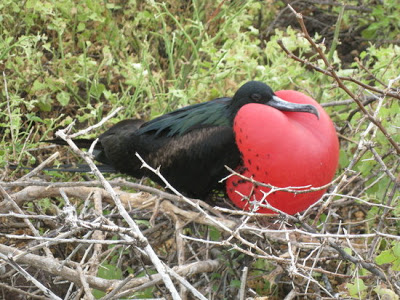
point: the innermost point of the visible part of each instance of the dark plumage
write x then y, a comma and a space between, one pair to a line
191, 145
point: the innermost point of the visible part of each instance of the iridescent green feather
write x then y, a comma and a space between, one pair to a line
181, 121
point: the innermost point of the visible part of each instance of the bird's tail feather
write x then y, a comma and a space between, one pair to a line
81, 143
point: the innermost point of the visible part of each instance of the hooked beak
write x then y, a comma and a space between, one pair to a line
283, 105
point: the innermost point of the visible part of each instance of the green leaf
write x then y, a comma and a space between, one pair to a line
81, 27
235, 283
385, 257
396, 250
357, 289
348, 250
96, 90
215, 234
34, 118
63, 98
396, 265
108, 271
386, 293
44, 105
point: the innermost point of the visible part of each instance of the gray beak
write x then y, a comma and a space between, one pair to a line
283, 105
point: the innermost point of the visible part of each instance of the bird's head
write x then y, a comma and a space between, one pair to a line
259, 92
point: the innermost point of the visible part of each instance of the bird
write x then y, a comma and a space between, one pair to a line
191, 145
283, 149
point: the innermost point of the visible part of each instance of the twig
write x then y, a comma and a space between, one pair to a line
14, 205
193, 268
345, 78
10, 115
118, 288
22, 292
58, 240
40, 167
90, 128
346, 6
114, 183
289, 189
186, 284
29, 277
161, 267
85, 285
97, 234
243, 281
55, 268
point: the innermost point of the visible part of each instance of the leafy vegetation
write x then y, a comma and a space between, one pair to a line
76, 60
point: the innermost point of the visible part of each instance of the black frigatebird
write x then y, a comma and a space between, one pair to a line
191, 145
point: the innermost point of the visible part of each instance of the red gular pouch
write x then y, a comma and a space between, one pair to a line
283, 149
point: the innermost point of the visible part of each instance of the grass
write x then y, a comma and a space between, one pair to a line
76, 60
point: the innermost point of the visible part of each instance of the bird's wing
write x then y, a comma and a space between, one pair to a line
130, 125
186, 119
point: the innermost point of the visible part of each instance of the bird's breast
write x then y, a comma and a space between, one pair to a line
284, 149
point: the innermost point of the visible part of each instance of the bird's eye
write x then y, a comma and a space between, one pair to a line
256, 97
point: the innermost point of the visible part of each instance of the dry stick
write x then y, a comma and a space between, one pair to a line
180, 249
32, 249
85, 285
9, 114
193, 268
55, 241
360, 64
345, 78
319, 250
137, 200
338, 79
381, 162
28, 277
314, 234
23, 149
243, 280
161, 268
357, 156
368, 266
134, 200
39, 167
116, 182
376, 239
337, 3
338, 103
97, 234
290, 189
391, 237
55, 267
164, 195
86, 130
117, 288
186, 284
22, 216
293, 293
21, 293
26, 221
